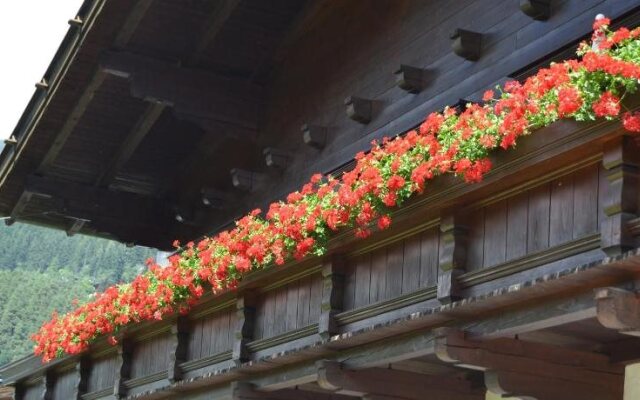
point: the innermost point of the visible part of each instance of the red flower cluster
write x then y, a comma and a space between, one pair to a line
385, 177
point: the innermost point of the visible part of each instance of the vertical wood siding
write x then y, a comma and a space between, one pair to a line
399, 268
211, 335
101, 373
549, 215
150, 356
290, 307
64, 386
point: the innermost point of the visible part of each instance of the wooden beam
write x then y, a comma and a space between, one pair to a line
76, 226
194, 94
452, 257
619, 309
216, 20
130, 144
123, 368
393, 384
246, 391
332, 295
94, 203
621, 161
126, 31
538, 371
178, 348
245, 322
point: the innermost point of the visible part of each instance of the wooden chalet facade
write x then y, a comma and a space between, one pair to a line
162, 119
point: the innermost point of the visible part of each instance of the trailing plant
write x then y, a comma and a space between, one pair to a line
384, 178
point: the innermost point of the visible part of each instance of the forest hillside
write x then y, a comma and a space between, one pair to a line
42, 269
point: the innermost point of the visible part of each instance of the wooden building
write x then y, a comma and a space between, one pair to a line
163, 119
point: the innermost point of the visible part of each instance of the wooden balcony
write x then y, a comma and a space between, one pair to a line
512, 261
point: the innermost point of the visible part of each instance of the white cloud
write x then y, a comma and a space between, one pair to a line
30, 33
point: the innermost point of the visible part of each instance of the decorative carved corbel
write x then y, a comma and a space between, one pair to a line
411, 79
314, 136
247, 181
276, 158
332, 295
540, 10
453, 257
467, 44
359, 109
245, 321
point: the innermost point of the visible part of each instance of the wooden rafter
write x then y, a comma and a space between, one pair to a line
126, 32
532, 370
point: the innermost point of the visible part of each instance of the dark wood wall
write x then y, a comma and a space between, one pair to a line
102, 373
290, 307
393, 270
211, 335
545, 216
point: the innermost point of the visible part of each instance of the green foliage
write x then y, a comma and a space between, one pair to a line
42, 270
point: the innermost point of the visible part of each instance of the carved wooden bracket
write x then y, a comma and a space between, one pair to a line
248, 181
521, 369
411, 79
246, 315
178, 348
82, 374
314, 136
540, 10
332, 295
359, 109
621, 161
453, 257
379, 383
123, 367
467, 44
48, 382
276, 158
618, 309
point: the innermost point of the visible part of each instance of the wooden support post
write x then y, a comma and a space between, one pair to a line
529, 370
540, 10
123, 368
453, 257
359, 109
314, 136
48, 381
467, 44
178, 348
82, 374
332, 295
246, 313
411, 79
621, 161
380, 383
618, 309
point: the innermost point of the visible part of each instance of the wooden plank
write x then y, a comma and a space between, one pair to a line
363, 280
429, 257
475, 249
291, 321
378, 274
280, 323
517, 210
395, 259
304, 295
411, 264
350, 285
538, 220
585, 202
315, 301
561, 211
495, 234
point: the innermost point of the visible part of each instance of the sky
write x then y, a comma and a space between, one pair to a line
30, 33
